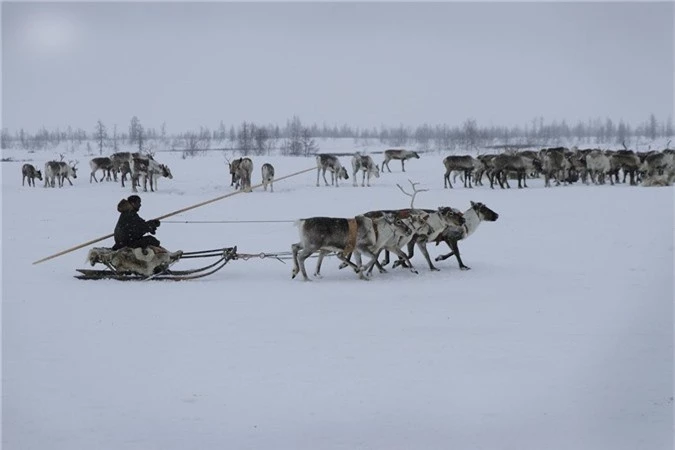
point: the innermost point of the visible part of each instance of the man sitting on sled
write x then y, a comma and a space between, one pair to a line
134, 251
131, 229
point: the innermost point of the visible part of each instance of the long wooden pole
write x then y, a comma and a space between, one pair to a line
187, 208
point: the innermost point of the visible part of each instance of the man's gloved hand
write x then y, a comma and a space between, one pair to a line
153, 224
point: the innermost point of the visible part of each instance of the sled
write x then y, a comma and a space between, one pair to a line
151, 263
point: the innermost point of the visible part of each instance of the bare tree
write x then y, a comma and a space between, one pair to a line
101, 135
115, 139
244, 138
308, 144
294, 145
135, 130
652, 127
261, 136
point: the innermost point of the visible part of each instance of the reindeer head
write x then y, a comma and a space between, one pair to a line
484, 213
399, 226
452, 216
38, 174
73, 167
166, 172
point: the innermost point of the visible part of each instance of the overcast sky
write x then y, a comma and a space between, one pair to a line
363, 64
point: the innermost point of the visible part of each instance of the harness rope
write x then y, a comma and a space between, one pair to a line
228, 221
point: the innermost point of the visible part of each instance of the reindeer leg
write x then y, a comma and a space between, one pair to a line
385, 261
319, 260
296, 268
423, 248
374, 263
403, 257
302, 256
346, 261
411, 252
358, 267
454, 245
403, 165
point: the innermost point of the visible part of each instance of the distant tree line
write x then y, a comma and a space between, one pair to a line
296, 138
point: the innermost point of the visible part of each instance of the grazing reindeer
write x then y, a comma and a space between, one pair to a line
402, 155
367, 165
241, 170
268, 176
30, 172
103, 164
577, 160
627, 161
243, 174
657, 163
360, 235
122, 161
484, 165
506, 162
59, 170
465, 163
325, 162
147, 169
232, 167
598, 166
473, 216
554, 164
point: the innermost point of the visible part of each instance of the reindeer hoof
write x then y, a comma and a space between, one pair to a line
465, 268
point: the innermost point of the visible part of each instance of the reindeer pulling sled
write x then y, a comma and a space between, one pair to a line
152, 263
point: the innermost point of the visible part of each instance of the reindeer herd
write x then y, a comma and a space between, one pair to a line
138, 166
564, 166
557, 165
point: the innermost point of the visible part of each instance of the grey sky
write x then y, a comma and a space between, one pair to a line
364, 64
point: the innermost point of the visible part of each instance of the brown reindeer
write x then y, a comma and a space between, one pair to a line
400, 154
30, 172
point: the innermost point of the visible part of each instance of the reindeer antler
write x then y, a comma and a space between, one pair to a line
415, 192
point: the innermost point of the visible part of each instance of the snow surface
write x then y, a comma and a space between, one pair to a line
560, 337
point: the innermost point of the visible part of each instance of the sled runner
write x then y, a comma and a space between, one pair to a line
151, 263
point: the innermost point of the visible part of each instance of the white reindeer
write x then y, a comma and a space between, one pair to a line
473, 216
366, 164
325, 161
267, 176
59, 170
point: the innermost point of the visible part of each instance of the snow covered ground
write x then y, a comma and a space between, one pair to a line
560, 337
